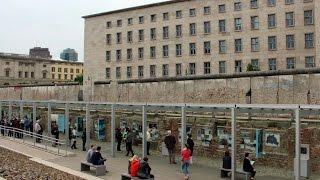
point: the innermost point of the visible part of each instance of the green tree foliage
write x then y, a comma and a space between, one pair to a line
79, 79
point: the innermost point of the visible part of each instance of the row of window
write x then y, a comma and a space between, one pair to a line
254, 4
191, 69
59, 76
65, 70
238, 26
25, 74
238, 47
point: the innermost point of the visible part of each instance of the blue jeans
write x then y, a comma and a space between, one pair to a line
185, 166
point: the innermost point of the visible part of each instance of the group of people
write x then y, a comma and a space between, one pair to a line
139, 168
94, 156
247, 165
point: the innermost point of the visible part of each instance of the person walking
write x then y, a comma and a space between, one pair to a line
74, 139
84, 140
185, 158
37, 129
148, 141
129, 141
170, 142
191, 145
118, 138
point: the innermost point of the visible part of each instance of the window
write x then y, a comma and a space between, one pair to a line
178, 30
309, 43
118, 72
271, 2
166, 16
207, 47
77, 71
71, 70
222, 67
272, 64
53, 69
193, 29
192, 48
166, 32
165, 70
289, 19
129, 36
192, 12
238, 66
118, 55
119, 23
7, 73
290, 41
289, 1
271, 20
108, 55
59, 69
207, 27
108, 38
65, 70
255, 64
308, 17
153, 35
222, 8
65, 76
309, 61
109, 24
178, 50
140, 71
152, 70
237, 24
141, 52
178, 70
59, 76
207, 10
20, 74
108, 73
153, 18
165, 51
238, 45
130, 21
153, 52
237, 6
192, 68
206, 68
290, 63
178, 14
222, 25
141, 35
254, 4
26, 74
119, 38
254, 22
129, 72
141, 19
129, 54
222, 46
272, 43
255, 47
44, 76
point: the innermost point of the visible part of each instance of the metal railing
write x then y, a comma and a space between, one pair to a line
35, 139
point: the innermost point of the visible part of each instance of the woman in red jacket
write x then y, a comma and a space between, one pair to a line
185, 157
134, 166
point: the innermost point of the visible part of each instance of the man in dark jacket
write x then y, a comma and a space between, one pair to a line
84, 140
55, 132
226, 164
170, 142
96, 158
129, 141
118, 138
190, 143
247, 167
145, 170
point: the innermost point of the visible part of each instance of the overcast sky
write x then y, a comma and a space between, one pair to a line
56, 24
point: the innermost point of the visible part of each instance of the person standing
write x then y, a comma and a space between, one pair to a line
185, 158
170, 142
129, 141
190, 145
37, 129
148, 141
247, 166
55, 132
84, 140
74, 139
118, 138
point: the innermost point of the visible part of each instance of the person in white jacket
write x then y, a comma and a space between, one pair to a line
37, 129
148, 141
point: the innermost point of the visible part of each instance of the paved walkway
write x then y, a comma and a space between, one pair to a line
203, 169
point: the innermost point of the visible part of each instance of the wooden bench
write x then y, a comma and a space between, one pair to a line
100, 169
125, 176
246, 174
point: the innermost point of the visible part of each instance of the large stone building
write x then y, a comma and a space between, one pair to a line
69, 55
40, 52
202, 37
18, 69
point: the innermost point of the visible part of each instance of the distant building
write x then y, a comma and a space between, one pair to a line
40, 53
69, 55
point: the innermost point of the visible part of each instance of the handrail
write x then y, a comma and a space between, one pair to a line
11, 131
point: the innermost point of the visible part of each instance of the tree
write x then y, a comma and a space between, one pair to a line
252, 68
79, 79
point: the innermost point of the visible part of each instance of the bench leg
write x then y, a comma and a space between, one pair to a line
100, 171
85, 167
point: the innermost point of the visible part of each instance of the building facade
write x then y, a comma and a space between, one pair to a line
69, 55
202, 37
19, 69
39, 52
